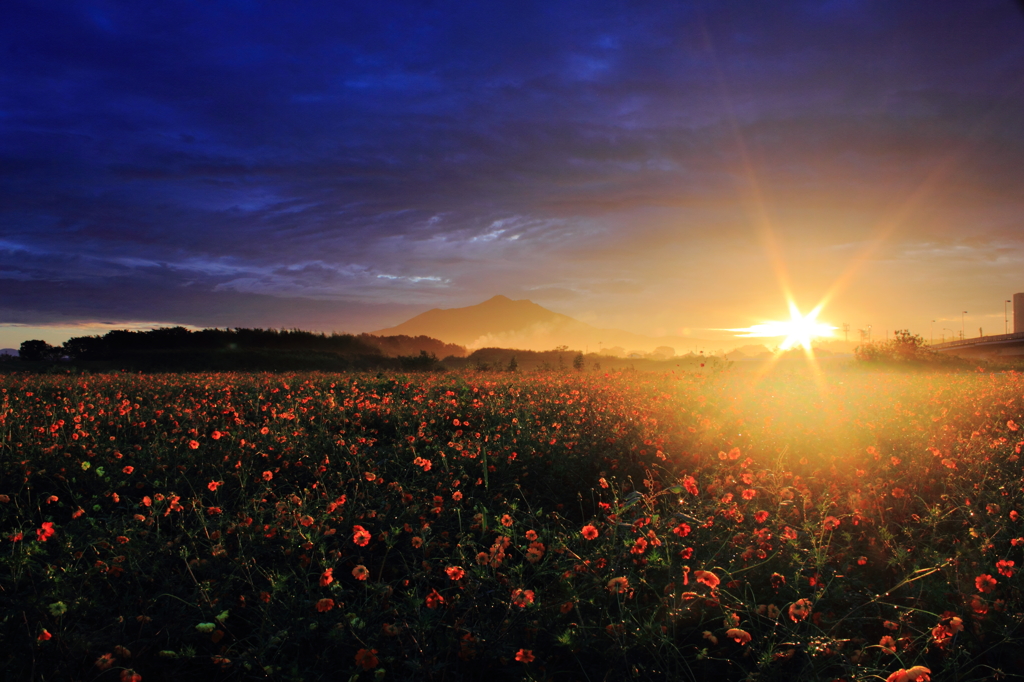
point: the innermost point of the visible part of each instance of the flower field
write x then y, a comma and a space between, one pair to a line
568, 526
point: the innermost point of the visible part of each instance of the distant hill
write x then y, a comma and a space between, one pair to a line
9, 351
500, 322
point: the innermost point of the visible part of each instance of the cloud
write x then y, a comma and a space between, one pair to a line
214, 161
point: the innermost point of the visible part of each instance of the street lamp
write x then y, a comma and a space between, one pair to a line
1006, 318
962, 327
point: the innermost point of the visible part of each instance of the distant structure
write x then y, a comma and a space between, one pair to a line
1005, 345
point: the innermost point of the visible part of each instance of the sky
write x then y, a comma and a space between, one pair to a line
660, 167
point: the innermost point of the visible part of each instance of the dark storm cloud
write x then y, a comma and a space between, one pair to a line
240, 162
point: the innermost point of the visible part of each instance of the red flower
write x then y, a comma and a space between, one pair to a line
105, 661
1005, 567
193, 444
43, 636
830, 523
367, 658
327, 577
525, 656
434, 600
267, 475
682, 530
985, 583
130, 676
522, 598
360, 536
691, 485
589, 532
455, 572
128, 470
46, 532
324, 605
213, 485
360, 572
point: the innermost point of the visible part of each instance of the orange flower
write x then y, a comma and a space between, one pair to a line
506, 520
589, 532
707, 577
985, 583
130, 676
43, 636
830, 523
327, 577
360, 536
739, 636
531, 535
324, 605
1005, 567
416, 541
888, 644
267, 475
128, 470
455, 572
213, 485
193, 444
367, 658
105, 661
918, 673
525, 656
799, 610
618, 585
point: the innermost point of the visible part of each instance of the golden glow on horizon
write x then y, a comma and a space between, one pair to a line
799, 330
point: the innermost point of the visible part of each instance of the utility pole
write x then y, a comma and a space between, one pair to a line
962, 327
1006, 318
846, 332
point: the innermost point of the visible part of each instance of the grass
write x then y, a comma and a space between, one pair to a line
572, 525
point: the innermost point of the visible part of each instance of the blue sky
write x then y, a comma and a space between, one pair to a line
661, 167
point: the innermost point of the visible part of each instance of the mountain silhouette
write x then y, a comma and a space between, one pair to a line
500, 322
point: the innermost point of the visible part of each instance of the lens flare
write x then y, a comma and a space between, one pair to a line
800, 330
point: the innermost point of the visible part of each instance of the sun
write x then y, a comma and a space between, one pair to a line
799, 330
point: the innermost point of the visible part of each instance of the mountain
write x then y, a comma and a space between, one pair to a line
500, 322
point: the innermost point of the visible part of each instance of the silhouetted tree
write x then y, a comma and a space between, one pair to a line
37, 350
